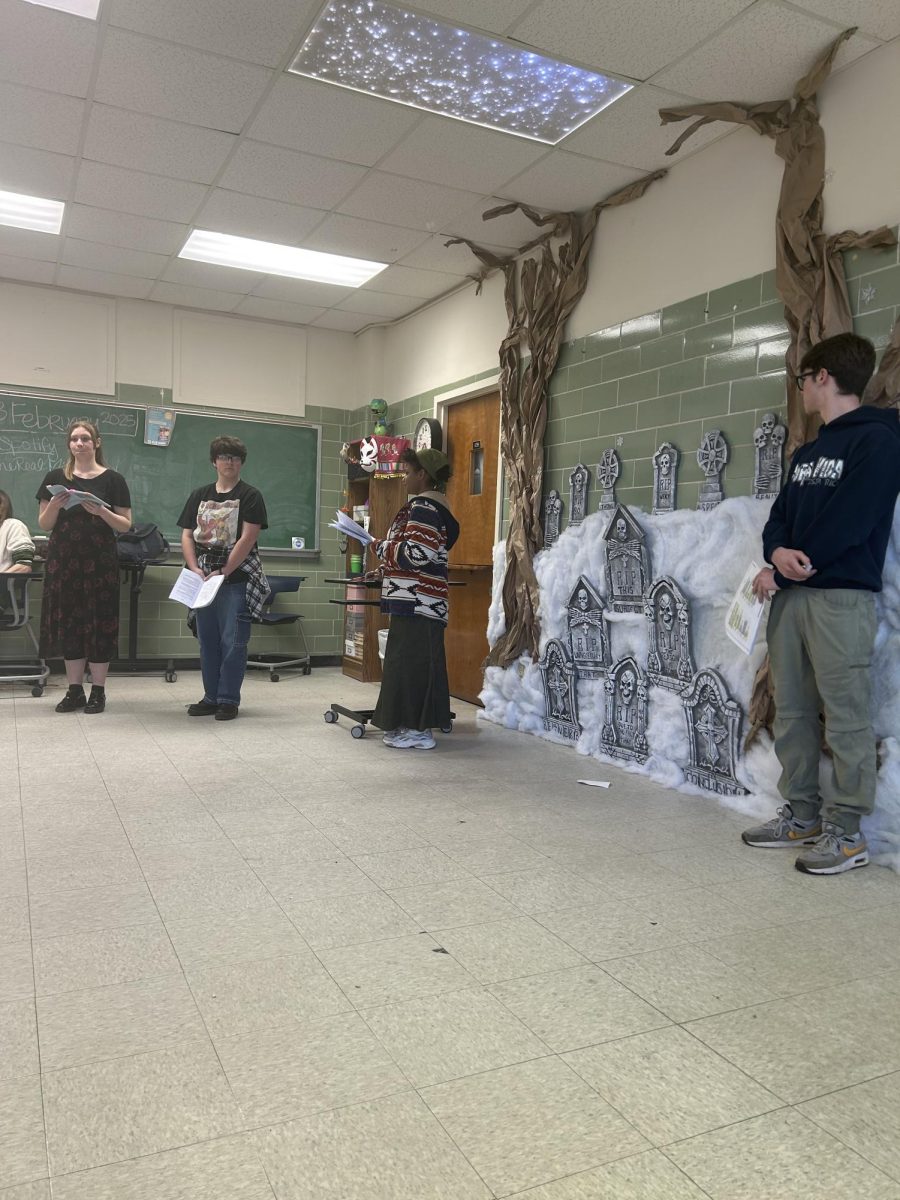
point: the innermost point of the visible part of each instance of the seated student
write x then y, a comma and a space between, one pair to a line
16, 546
219, 526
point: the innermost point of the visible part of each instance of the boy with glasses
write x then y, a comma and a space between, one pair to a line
826, 539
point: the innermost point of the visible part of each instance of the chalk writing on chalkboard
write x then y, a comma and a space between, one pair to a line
28, 416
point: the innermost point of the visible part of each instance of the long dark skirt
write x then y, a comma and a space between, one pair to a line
414, 692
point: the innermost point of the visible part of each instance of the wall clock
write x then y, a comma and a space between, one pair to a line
428, 435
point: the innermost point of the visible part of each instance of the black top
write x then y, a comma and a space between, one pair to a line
837, 504
217, 518
110, 486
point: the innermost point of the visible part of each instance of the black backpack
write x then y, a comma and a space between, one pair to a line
142, 544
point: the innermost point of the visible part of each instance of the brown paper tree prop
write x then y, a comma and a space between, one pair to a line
884, 386
540, 293
809, 270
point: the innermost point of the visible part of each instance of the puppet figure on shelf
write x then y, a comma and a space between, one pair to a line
379, 409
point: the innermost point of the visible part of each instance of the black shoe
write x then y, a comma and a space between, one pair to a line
226, 712
203, 709
72, 700
97, 702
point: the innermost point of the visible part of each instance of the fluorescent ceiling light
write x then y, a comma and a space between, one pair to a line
269, 257
31, 212
402, 56
78, 8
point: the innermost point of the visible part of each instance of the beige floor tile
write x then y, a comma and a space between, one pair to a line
226, 1169
18, 1040
208, 894
177, 859
703, 866
614, 930
401, 969
109, 1022
274, 818
16, 972
111, 1111
14, 920
146, 830
239, 996
709, 914
264, 851
78, 961
669, 1085
392, 1148
336, 876
647, 1176
349, 920
465, 901
540, 890
40, 1190
55, 914
436, 1038
263, 932
23, 1151
375, 837
524, 1125
494, 856
409, 868
508, 949
64, 869
292, 1070
786, 900
865, 1117
780, 1156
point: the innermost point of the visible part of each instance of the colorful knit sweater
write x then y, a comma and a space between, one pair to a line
414, 558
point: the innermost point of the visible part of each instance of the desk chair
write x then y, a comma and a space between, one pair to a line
15, 615
274, 663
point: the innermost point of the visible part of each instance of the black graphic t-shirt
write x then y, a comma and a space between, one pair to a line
217, 518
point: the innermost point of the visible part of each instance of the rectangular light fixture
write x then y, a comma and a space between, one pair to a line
248, 254
31, 212
373, 47
78, 8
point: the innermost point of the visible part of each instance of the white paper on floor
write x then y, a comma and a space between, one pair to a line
706, 554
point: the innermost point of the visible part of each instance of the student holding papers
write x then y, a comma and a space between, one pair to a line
220, 524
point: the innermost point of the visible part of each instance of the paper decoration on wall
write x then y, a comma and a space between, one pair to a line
669, 663
608, 470
769, 443
624, 731
560, 693
588, 642
552, 517
579, 482
627, 562
712, 457
714, 729
665, 472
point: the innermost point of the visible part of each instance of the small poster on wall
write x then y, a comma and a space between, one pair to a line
158, 426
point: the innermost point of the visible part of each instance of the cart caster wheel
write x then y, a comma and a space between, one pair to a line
37, 691
330, 717
274, 678
307, 670
358, 731
447, 728
171, 676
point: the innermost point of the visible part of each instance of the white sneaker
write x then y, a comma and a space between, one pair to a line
391, 735
415, 739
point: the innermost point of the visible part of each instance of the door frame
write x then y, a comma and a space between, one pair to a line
468, 391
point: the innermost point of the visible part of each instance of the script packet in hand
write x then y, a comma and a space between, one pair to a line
75, 497
745, 612
350, 528
195, 592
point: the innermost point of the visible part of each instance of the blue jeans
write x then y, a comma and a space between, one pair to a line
223, 630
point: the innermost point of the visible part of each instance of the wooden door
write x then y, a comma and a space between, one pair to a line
473, 439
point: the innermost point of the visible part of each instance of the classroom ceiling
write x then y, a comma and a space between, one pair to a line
166, 115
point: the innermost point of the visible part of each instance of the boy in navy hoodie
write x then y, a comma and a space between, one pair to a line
826, 539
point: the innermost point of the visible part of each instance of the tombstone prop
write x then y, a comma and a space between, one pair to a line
552, 517
669, 663
769, 443
712, 457
627, 562
588, 642
560, 694
607, 473
624, 730
665, 472
714, 727
579, 482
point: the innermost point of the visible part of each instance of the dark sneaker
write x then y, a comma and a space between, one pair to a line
833, 853
72, 700
226, 712
97, 702
783, 830
203, 709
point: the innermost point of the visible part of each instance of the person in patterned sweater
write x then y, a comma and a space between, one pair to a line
415, 693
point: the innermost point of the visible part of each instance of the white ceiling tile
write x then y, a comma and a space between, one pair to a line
343, 322
97, 257
301, 291
105, 282
379, 304
35, 172
306, 114
256, 31
254, 217
195, 297
28, 243
634, 40
105, 186
124, 229
279, 310
568, 183
411, 202
30, 270
880, 18
507, 232
44, 120
495, 16
46, 49
459, 155
130, 139
406, 281
176, 82
278, 174
362, 239
212, 276
433, 255
731, 67
630, 131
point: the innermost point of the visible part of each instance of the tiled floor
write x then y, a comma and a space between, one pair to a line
264, 960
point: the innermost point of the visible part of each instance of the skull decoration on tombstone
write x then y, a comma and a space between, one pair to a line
552, 517
714, 729
665, 470
624, 730
712, 457
627, 562
560, 694
669, 663
588, 642
579, 482
769, 443
607, 473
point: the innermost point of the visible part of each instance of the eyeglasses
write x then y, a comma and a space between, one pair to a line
803, 375
229, 458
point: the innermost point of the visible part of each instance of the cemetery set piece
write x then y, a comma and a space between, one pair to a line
712, 457
560, 694
627, 562
624, 730
769, 442
588, 642
579, 482
669, 663
714, 727
608, 469
552, 517
665, 478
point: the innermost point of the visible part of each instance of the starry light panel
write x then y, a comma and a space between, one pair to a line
402, 56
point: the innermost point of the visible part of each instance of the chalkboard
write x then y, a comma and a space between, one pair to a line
282, 461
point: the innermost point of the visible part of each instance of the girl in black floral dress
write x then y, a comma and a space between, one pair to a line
80, 605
